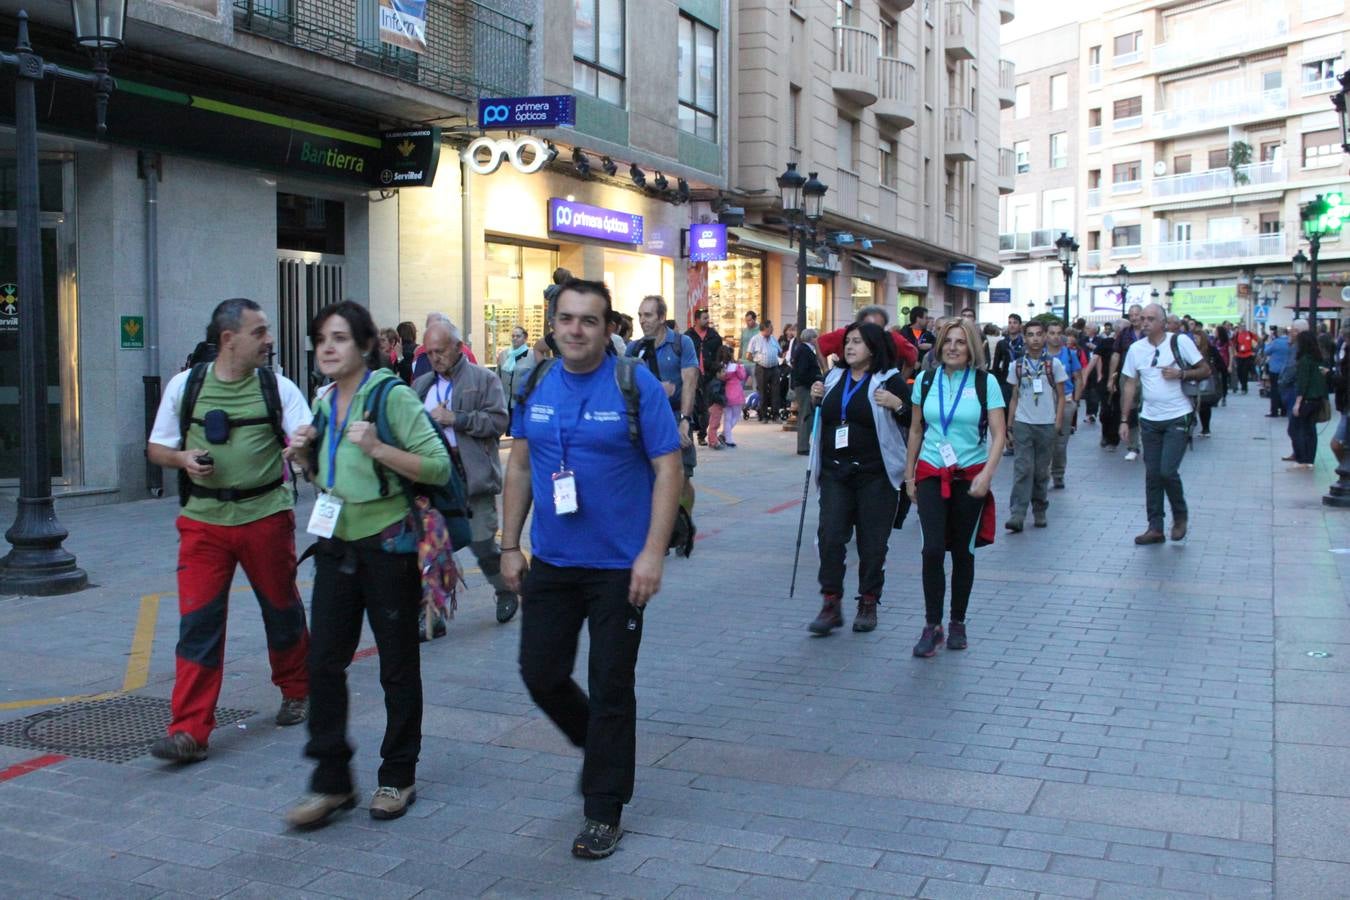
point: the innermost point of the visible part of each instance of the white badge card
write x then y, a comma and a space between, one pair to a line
841, 437
948, 454
1037, 385
564, 493
324, 518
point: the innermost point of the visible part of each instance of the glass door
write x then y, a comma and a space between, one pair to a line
516, 276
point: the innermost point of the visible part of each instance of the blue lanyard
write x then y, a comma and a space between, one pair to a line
850, 388
557, 423
336, 437
449, 389
945, 418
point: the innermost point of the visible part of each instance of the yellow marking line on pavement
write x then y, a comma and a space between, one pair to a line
138, 666
56, 701
722, 495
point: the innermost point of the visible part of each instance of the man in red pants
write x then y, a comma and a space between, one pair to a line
223, 424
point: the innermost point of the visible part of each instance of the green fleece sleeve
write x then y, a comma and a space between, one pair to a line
410, 425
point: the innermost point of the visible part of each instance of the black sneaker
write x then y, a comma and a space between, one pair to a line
507, 604
596, 840
956, 636
179, 747
1059, 484
929, 641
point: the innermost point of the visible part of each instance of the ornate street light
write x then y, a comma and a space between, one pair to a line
1300, 264
1068, 259
1321, 216
1338, 100
790, 185
814, 191
1123, 279
37, 564
803, 205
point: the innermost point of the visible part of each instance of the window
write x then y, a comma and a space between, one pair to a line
1094, 179
886, 163
1125, 236
1269, 150
1320, 75
1094, 240
1022, 101
1181, 232
929, 76
890, 41
1272, 81
1095, 55
1224, 228
1059, 150
845, 14
1181, 164
1218, 159
1022, 153
1321, 148
598, 49
1095, 117
311, 224
846, 140
1270, 223
1126, 44
1125, 173
1128, 108
697, 72
1059, 91
795, 117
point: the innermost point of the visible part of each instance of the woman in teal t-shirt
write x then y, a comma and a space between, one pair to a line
948, 472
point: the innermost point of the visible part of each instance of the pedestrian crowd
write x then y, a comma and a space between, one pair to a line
402, 443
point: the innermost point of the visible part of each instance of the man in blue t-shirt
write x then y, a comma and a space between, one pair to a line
1073, 390
1277, 357
599, 538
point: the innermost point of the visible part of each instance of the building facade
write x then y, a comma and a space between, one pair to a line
1205, 127
1041, 132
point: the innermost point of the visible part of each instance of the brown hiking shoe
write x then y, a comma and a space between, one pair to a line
314, 810
1178, 529
831, 615
1152, 536
390, 803
866, 619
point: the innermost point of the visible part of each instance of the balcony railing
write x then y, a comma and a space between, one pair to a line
1126, 59
1320, 86
846, 193
472, 50
1224, 112
1220, 179
1014, 242
959, 133
1007, 84
1126, 123
1095, 136
898, 97
1094, 75
1126, 250
1246, 31
1092, 260
1042, 239
1094, 198
1244, 247
1007, 168
855, 64
960, 29
1126, 187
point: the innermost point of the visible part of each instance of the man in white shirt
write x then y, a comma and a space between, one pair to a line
1160, 363
767, 354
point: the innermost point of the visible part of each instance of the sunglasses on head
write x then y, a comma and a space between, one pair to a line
1155, 356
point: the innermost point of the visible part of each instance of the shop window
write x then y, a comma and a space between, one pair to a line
698, 78
311, 224
735, 287
865, 293
598, 49
514, 279
49, 185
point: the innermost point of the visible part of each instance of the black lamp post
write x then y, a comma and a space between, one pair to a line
1123, 279
1300, 264
1321, 216
38, 564
1338, 495
1068, 259
1338, 100
803, 200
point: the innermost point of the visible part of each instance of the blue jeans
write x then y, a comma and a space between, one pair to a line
1164, 445
1303, 431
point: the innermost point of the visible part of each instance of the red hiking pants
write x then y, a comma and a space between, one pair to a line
207, 555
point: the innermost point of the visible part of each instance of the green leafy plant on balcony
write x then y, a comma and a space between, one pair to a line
1239, 156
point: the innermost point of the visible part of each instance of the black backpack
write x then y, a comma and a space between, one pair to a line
981, 392
267, 381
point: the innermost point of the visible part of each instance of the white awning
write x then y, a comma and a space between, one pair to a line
884, 265
761, 240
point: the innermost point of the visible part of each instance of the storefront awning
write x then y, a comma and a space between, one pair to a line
760, 240
884, 265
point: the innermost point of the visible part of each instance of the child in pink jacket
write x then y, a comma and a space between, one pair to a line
724, 416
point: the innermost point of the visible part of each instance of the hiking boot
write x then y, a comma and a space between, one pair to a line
293, 711
179, 747
956, 636
507, 604
437, 627
596, 840
1179, 529
314, 810
866, 619
1038, 518
929, 641
390, 803
1152, 536
1059, 484
1013, 525
831, 615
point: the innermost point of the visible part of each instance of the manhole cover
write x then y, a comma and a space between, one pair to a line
115, 731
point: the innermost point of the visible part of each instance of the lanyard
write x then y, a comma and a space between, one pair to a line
850, 388
557, 424
945, 418
449, 388
336, 437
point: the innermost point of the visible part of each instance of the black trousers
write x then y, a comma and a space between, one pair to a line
1276, 395
555, 602
1206, 413
1110, 418
947, 523
387, 589
770, 394
1093, 395
854, 501
1244, 371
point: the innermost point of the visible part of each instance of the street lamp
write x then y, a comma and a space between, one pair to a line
1068, 259
1321, 216
1300, 264
803, 200
1123, 279
37, 564
1338, 100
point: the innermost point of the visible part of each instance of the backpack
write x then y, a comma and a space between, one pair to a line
267, 381
1204, 390
981, 393
451, 499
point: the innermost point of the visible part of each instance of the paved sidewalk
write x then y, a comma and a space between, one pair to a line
1128, 722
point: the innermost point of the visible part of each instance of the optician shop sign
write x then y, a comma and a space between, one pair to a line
707, 243
527, 112
570, 217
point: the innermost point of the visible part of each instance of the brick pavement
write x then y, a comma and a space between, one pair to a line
1127, 723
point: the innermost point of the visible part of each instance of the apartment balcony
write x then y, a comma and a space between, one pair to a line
898, 101
1213, 116
1127, 251
1250, 246
1094, 198
1007, 84
959, 134
1126, 187
1127, 122
1092, 260
854, 76
1127, 59
1320, 86
1007, 169
1094, 75
1220, 179
962, 30
844, 193
1245, 32
1027, 243
1006, 11
1095, 136
472, 49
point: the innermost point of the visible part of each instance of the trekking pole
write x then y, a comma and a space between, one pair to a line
806, 489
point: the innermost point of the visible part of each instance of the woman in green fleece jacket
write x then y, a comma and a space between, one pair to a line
362, 567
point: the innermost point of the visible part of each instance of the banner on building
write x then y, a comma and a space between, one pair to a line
1207, 304
1106, 297
403, 23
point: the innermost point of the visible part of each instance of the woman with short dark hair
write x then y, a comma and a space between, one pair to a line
1310, 394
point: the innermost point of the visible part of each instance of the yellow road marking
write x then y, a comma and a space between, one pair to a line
138, 666
723, 495
56, 701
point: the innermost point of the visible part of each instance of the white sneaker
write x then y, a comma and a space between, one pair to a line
1131, 456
